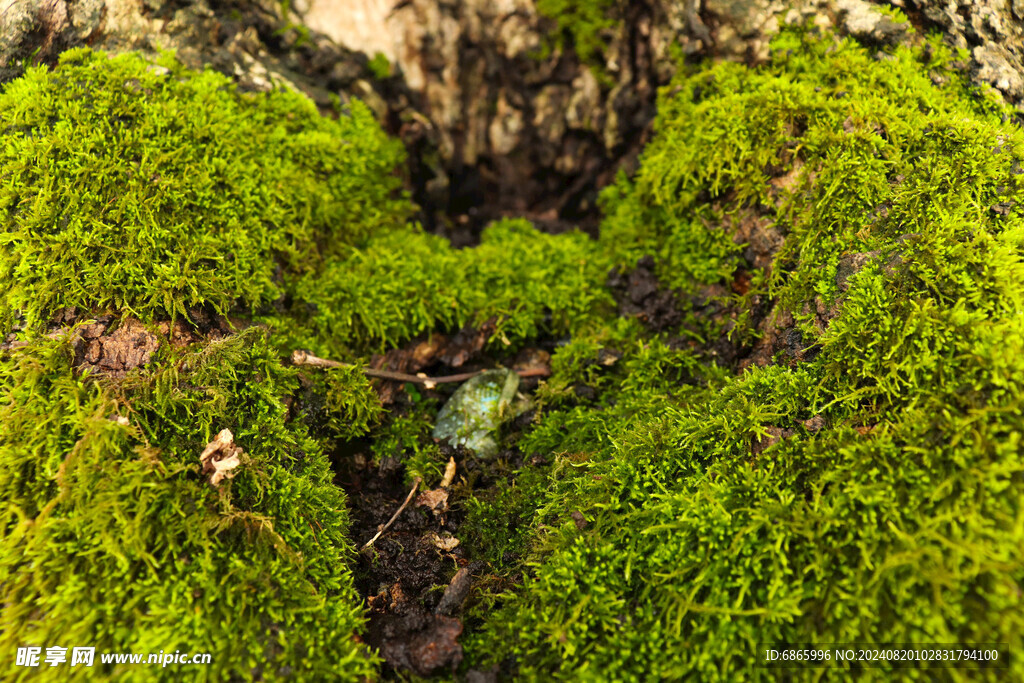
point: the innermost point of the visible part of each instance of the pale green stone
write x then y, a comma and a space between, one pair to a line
473, 414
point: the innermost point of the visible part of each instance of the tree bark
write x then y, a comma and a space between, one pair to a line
500, 117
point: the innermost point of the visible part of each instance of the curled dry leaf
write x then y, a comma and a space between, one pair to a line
220, 457
449, 474
435, 499
445, 541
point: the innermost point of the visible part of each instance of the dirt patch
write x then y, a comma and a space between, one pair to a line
419, 575
417, 641
640, 294
407, 575
759, 237
777, 333
113, 347
116, 352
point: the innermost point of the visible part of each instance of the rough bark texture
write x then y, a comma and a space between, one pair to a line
500, 117
993, 31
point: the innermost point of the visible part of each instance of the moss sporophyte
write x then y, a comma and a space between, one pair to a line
792, 415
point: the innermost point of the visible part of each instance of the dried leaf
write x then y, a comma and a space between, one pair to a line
453, 352
449, 474
445, 541
533, 361
467, 343
435, 499
220, 457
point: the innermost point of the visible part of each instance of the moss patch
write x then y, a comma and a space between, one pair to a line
583, 23
146, 189
869, 492
791, 412
112, 539
406, 282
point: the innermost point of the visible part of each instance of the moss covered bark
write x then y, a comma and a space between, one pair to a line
785, 408
860, 481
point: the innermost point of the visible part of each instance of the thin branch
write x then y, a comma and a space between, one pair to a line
381, 530
303, 358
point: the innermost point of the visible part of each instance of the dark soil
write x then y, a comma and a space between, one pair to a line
403, 576
640, 294
416, 585
419, 575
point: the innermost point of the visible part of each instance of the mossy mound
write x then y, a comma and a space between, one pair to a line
112, 539
150, 191
407, 282
143, 188
856, 216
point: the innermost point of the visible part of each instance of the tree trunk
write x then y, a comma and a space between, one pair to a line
498, 111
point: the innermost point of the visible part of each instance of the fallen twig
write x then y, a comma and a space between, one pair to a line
381, 530
303, 358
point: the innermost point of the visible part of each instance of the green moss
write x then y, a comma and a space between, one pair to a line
501, 521
111, 538
340, 403
585, 24
150, 190
686, 512
894, 515
407, 282
380, 66
407, 437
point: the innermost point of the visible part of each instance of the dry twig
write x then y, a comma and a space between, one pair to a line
303, 358
382, 529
